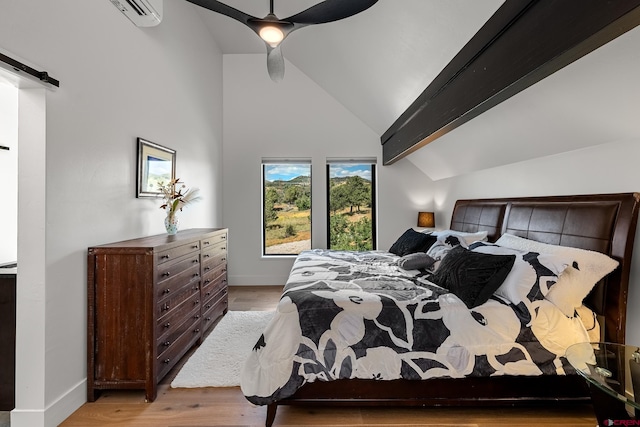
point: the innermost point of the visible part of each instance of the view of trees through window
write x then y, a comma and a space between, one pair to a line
351, 206
286, 208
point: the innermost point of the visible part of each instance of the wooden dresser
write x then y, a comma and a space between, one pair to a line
149, 301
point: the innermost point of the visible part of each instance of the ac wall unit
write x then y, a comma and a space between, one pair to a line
143, 13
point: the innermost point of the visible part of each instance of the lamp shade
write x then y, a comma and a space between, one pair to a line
426, 219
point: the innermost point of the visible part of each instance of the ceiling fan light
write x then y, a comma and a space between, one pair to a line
271, 34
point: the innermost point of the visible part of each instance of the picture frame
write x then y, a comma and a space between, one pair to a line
155, 164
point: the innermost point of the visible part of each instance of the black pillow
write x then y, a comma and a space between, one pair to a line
472, 276
412, 241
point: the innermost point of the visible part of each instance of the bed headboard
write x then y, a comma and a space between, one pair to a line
601, 222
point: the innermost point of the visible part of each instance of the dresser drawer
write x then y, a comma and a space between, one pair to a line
213, 262
214, 300
178, 304
214, 250
176, 285
169, 358
167, 340
214, 311
217, 238
179, 266
212, 287
177, 252
214, 274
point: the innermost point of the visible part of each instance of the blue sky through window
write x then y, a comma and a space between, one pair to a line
337, 170
286, 172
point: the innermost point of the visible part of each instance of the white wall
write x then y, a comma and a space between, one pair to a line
607, 168
296, 118
9, 172
118, 82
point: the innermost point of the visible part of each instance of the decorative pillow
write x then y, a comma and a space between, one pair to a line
416, 261
472, 276
469, 238
448, 239
412, 241
531, 277
587, 268
590, 322
442, 246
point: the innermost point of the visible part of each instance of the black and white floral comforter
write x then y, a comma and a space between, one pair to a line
359, 315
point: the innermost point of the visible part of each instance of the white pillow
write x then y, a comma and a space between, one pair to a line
522, 284
590, 322
469, 238
576, 282
555, 331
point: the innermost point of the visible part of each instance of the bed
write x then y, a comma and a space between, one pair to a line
380, 312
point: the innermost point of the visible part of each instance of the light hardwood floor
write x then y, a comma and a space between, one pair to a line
208, 407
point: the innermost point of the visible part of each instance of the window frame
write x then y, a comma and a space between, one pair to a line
372, 163
265, 162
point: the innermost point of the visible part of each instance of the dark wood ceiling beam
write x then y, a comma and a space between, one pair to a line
521, 44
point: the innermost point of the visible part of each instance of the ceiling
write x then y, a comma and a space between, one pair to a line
377, 62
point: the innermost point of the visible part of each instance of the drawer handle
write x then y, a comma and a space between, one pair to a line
224, 248
195, 261
166, 291
197, 316
207, 281
196, 274
194, 247
165, 307
164, 257
224, 270
207, 268
224, 259
208, 319
196, 302
224, 237
166, 343
206, 256
207, 307
167, 274
196, 331
166, 360
167, 325
205, 243
207, 294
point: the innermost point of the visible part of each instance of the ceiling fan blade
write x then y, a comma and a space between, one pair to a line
275, 63
330, 10
222, 8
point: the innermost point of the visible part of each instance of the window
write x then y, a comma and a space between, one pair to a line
286, 206
351, 205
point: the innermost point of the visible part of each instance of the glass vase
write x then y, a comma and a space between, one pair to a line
171, 223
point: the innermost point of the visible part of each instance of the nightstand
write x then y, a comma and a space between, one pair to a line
612, 372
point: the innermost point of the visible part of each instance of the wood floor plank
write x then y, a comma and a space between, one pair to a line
227, 407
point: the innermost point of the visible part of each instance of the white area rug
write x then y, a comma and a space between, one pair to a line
219, 360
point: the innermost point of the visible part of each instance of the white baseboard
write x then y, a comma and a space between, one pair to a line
54, 414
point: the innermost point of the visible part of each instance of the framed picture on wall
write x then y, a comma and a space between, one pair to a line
155, 164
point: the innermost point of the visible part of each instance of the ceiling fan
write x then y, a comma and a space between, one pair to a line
273, 30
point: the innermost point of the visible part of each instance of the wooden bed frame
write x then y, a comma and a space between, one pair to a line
604, 223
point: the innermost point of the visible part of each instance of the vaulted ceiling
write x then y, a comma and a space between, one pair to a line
376, 63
